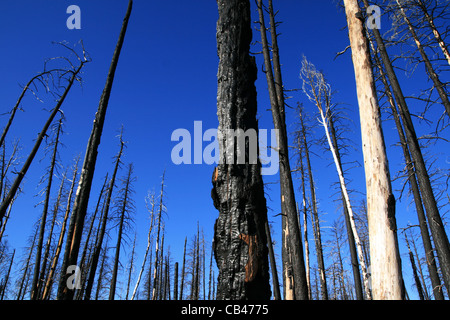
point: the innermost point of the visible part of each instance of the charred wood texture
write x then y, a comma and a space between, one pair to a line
240, 243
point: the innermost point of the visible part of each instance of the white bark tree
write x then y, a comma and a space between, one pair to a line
386, 277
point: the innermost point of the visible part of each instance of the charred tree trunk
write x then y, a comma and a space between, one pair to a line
87, 173
37, 282
288, 203
429, 67
49, 281
183, 270
273, 266
385, 257
240, 243
101, 235
123, 210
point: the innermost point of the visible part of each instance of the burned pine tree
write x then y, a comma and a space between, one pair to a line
240, 243
76, 226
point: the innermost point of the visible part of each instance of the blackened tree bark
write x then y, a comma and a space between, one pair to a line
240, 243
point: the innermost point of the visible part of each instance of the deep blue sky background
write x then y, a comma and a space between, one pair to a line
166, 79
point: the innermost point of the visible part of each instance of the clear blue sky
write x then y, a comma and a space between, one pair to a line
166, 79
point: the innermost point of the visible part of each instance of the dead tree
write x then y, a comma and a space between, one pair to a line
37, 264
415, 163
288, 203
74, 76
319, 92
49, 281
429, 67
387, 282
161, 209
105, 215
240, 243
150, 202
87, 173
124, 209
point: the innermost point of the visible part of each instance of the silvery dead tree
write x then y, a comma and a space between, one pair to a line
387, 281
320, 94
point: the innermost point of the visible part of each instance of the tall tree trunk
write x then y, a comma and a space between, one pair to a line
49, 239
158, 232
87, 173
123, 210
413, 266
385, 257
300, 138
429, 67
49, 281
419, 167
431, 262
435, 31
152, 215
240, 243
182, 270
5, 281
315, 221
175, 282
101, 235
288, 204
37, 264
273, 266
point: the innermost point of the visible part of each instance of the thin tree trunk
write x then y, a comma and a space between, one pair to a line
431, 262
87, 173
432, 74
435, 31
413, 265
240, 243
37, 264
315, 222
21, 174
131, 268
152, 214
160, 210
385, 257
175, 282
123, 210
436, 226
273, 266
300, 138
49, 239
101, 235
49, 281
288, 204
182, 270
5, 283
